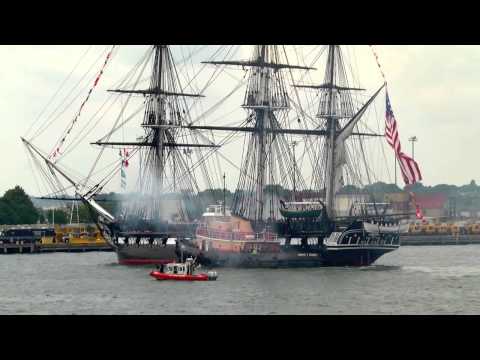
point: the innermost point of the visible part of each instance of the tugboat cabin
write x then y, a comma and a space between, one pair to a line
217, 210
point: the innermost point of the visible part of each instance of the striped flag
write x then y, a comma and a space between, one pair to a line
409, 167
123, 181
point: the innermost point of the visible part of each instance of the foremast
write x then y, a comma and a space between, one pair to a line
162, 152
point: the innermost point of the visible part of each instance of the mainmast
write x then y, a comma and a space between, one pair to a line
331, 131
263, 108
267, 150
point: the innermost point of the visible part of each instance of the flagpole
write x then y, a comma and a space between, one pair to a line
395, 156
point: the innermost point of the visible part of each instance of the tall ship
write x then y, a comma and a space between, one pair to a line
287, 210
155, 224
276, 219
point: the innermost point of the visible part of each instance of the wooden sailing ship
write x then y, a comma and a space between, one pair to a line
261, 229
265, 227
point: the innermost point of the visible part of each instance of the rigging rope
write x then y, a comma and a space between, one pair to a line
145, 60
55, 114
378, 62
58, 90
56, 149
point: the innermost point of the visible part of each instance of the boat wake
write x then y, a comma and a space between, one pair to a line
443, 271
381, 268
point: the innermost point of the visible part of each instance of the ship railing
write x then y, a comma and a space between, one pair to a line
237, 235
135, 241
389, 239
266, 236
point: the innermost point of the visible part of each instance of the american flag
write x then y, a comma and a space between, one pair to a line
409, 168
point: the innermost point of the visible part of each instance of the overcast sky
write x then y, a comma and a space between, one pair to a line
433, 90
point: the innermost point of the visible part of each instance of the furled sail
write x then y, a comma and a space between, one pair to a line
339, 151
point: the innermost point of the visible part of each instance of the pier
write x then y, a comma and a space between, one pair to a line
32, 248
42, 238
418, 240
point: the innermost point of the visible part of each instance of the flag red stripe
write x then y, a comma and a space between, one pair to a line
409, 167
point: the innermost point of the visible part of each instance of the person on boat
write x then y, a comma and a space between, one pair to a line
189, 264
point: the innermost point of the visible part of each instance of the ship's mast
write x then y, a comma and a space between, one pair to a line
337, 109
161, 152
265, 97
331, 131
268, 149
261, 115
159, 117
263, 100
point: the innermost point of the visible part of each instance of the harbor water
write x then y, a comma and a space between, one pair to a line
412, 280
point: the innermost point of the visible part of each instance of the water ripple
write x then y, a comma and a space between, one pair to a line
412, 280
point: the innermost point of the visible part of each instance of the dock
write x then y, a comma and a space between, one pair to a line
33, 248
419, 240
43, 238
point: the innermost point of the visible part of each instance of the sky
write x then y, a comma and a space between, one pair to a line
433, 91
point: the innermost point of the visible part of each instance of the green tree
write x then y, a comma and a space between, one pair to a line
7, 215
350, 189
381, 187
469, 188
17, 208
418, 188
446, 189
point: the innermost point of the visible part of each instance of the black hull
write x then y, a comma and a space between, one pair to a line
355, 257
295, 256
352, 247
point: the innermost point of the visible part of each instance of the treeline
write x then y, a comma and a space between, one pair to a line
16, 207
470, 189
462, 198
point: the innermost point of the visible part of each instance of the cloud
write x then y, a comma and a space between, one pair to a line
433, 89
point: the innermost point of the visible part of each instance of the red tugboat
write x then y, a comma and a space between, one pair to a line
182, 272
